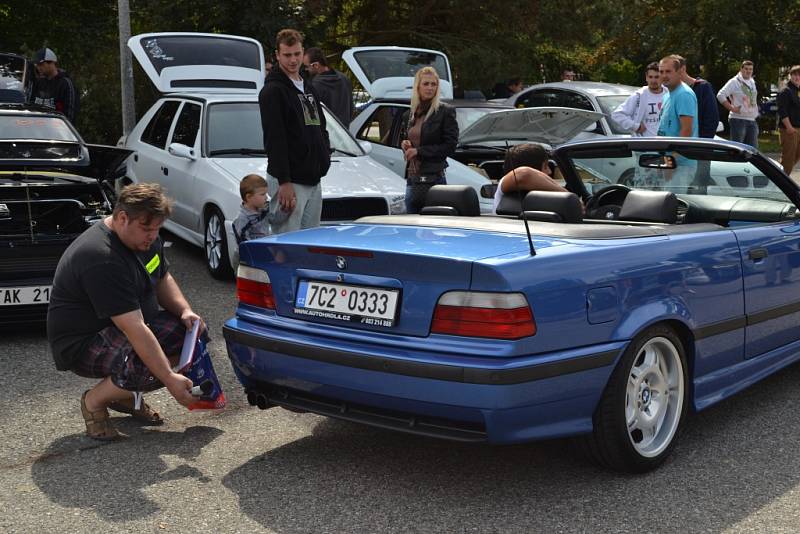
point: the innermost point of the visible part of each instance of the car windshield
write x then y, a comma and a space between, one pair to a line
683, 171
607, 105
37, 128
234, 128
466, 116
378, 64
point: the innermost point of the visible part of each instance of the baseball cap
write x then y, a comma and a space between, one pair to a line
45, 54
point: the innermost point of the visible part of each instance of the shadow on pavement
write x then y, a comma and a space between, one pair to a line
347, 477
110, 478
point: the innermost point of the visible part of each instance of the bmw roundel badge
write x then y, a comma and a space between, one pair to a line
341, 263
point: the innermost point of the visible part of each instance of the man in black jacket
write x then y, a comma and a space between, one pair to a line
789, 120
54, 88
333, 87
295, 140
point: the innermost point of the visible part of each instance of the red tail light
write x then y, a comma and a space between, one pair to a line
493, 315
253, 287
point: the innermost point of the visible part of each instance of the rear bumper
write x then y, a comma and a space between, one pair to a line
499, 400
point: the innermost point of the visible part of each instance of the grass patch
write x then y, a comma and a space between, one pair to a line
769, 142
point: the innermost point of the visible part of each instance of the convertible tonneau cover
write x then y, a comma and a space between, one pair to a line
588, 229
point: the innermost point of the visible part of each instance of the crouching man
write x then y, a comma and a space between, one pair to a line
104, 319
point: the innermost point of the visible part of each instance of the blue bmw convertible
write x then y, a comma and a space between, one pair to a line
664, 281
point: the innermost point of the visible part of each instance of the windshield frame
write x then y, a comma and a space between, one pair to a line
728, 152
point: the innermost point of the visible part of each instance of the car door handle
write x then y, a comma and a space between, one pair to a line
757, 253
165, 170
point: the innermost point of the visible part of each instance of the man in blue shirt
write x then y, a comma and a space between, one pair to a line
679, 109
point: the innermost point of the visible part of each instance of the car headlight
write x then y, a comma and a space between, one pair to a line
397, 205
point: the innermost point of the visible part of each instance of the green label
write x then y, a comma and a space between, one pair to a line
153, 264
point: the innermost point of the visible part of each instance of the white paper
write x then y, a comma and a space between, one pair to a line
189, 343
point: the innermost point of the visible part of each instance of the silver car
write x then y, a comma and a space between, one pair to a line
593, 96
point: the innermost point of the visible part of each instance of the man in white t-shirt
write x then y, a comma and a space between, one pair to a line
740, 97
639, 114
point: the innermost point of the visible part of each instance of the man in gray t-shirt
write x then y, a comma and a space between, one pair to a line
104, 321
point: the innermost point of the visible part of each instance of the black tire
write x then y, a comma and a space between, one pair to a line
216, 245
611, 444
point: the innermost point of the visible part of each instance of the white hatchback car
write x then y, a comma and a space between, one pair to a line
204, 135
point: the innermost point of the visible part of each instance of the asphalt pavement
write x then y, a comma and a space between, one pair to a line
246, 470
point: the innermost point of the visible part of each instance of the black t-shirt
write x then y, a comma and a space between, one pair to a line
97, 278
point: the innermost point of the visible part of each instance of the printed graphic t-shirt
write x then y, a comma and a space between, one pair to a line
651, 103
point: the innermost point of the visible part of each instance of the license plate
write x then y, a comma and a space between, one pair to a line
361, 304
15, 296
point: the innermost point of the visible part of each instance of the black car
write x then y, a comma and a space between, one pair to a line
53, 186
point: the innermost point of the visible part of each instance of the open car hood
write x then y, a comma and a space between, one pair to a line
93, 161
388, 71
553, 125
200, 62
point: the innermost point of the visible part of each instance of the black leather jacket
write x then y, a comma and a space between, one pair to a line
438, 140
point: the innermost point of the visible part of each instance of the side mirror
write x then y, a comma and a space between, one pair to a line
488, 190
181, 151
366, 146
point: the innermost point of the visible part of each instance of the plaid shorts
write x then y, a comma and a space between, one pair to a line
111, 354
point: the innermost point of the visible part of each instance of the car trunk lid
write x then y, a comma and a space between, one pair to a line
431, 262
388, 71
200, 62
552, 125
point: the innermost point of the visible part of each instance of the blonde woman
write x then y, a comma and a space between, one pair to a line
432, 135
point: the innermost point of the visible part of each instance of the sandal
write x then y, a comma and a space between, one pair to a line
145, 414
98, 424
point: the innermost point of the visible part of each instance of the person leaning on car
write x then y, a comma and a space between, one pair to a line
789, 120
526, 168
104, 321
430, 138
295, 139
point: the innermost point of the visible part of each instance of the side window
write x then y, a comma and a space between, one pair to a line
188, 125
539, 99
574, 100
157, 130
379, 127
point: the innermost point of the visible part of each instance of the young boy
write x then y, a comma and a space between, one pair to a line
253, 219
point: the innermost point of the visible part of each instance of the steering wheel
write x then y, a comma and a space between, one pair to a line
607, 203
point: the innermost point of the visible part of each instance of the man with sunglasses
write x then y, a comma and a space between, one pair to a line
334, 89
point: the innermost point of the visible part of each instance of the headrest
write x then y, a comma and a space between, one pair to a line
650, 206
510, 204
566, 205
461, 198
